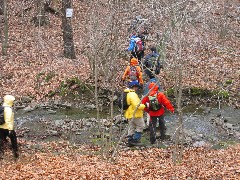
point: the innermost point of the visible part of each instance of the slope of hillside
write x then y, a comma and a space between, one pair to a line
35, 64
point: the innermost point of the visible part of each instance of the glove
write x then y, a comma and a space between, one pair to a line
10, 132
172, 110
147, 104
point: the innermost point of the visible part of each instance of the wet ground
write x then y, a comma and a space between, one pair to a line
206, 125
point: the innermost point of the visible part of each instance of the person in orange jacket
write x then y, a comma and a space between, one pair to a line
156, 110
133, 72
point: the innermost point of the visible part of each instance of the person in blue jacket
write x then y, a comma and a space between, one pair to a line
134, 48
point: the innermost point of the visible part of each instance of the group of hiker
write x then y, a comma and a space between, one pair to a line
142, 73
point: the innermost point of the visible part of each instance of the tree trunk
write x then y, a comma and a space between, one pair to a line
1, 7
5, 29
69, 51
1, 18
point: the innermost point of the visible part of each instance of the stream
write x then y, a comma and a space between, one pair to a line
208, 125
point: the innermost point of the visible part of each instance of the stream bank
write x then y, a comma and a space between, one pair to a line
203, 127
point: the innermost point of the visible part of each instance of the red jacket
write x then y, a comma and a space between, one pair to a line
162, 99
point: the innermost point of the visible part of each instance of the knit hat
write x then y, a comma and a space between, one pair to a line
153, 49
133, 83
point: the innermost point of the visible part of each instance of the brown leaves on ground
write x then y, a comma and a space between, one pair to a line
208, 60
63, 161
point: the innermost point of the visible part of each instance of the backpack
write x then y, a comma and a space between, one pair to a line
153, 64
122, 101
133, 74
2, 121
139, 44
153, 103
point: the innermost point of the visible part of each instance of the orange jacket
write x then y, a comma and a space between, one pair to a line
133, 62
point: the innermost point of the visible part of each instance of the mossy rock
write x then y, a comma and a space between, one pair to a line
228, 82
38, 76
73, 87
221, 93
51, 93
49, 76
220, 145
170, 92
195, 91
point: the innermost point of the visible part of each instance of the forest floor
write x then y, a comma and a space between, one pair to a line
66, 161
35, 66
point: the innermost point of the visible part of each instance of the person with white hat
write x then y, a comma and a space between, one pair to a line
7, 128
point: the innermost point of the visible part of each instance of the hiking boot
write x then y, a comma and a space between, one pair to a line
134, 142
163, 137
15, 155
153, 142
129, 144
1, 155
146, 129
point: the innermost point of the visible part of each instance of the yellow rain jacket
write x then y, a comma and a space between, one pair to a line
133, 100
8, 113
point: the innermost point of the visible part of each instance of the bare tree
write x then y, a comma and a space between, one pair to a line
179, 138
40, 19
102, 49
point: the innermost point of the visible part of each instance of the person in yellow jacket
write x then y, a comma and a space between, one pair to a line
7, 129
134, 114
133, 72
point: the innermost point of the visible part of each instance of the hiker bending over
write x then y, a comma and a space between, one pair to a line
135, 120
155, 103
133, 72
151, 64
7, 129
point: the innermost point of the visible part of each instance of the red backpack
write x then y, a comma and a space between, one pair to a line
133, 74
139, 45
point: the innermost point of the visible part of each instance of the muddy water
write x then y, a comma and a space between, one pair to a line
80, 125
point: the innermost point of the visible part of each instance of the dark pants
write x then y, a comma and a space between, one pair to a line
4, 133
152, 127
138, 55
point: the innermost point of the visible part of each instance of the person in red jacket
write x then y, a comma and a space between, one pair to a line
156, 110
